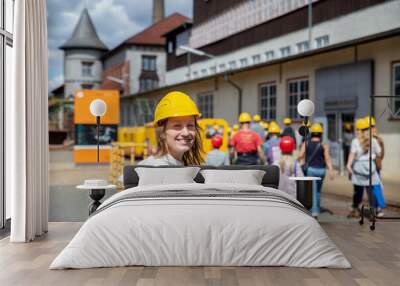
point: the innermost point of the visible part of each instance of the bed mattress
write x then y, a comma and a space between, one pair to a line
201, 225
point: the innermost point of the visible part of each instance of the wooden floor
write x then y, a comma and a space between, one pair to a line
375, 257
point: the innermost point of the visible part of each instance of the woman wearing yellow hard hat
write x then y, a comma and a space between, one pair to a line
358, 168
177, 132
318, 159
271, 146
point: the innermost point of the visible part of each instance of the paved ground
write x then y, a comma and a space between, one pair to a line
69, 204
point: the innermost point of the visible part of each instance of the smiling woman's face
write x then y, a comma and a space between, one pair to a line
180, 133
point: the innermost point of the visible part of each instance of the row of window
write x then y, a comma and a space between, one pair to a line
149, 63
138, 112
298, 89
286, 51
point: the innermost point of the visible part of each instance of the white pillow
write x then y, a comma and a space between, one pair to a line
249, 177
166, 176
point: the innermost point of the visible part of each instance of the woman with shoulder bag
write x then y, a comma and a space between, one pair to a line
318, 159
358, 165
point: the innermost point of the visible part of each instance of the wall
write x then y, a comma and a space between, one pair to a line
337, 29
381, 53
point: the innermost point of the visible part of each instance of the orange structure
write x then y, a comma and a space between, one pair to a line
85, 149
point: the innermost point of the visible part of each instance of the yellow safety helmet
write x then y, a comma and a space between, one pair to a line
316, 128
274, 128
235, 127
362, 124
287, 121
216, 127
175, 104
264, 124
229, 130
244, 117
366, 118
256, 118
347, 126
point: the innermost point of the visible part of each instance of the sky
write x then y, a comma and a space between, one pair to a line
115, 21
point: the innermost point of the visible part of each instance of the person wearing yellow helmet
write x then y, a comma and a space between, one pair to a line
288, 130
348, 136
177, 132
247, 143
271, 146
257, 127
318, 160
358, 168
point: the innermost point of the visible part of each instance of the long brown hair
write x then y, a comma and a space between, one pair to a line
287, 162
363, 138
192, 157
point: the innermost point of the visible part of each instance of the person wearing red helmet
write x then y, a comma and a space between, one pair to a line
217, 157
289, 167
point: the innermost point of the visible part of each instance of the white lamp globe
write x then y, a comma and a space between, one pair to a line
98, 107
305, 107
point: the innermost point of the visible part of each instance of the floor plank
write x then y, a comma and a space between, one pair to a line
375, 257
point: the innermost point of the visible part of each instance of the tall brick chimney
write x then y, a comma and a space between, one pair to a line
158, 10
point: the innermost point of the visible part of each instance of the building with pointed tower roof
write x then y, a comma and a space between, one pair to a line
82, 57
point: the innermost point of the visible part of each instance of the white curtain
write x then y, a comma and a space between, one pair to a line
27, 124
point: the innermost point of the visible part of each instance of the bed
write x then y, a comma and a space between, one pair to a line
198, 224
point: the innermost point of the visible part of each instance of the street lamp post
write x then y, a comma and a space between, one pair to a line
226, 74
306, 109
191, 51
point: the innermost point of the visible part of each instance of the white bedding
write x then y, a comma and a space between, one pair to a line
189, 230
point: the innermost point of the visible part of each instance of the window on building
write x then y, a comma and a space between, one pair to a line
149, 63
268, 101
269, 55
322, 41
87, 86
222, 67
205, 105
285, 51
170, 47
213, 69
256, 59
232, 65
147, 84
243, 63
297, 91
87, 68
396, 89
303, 47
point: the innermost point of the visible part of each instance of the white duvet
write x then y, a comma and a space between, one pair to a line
206, 230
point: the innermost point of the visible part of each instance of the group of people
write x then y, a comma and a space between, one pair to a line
252, 145
255, 142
